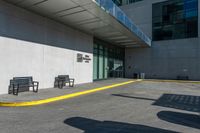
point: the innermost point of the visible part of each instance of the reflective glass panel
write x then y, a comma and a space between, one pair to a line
175, 19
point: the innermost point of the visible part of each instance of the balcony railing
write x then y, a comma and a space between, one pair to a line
115, 11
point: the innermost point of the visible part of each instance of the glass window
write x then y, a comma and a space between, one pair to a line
124, 2
95, 66
95, 62
108, 61
117, 2
175, 19
101, 61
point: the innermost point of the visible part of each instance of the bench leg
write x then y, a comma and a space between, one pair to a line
15, 90
71, 83
9, 90
63, 84
15, 93
35, 88
60, 84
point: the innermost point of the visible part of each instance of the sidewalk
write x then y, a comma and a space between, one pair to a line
55, 92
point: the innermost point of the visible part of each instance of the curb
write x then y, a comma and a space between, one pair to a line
174, 81
64, 97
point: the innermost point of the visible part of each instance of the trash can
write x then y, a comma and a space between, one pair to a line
142, 75
135, 75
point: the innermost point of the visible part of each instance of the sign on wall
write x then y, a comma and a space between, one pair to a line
83, 58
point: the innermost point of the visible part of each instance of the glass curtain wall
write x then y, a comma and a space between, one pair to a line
117, 2
175, 19
125, 2
108, 61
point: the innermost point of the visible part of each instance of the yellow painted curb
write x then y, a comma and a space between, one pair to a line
64, 97
175, 81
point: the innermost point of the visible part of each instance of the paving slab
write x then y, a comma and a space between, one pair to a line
54, 92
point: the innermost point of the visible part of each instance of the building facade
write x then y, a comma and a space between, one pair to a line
83, 39
97, 39
173, 26
34, 45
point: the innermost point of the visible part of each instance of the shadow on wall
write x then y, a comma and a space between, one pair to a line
95, 126
49, 41
184, 119
27, 26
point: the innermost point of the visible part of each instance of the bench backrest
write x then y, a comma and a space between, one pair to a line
63, 77
22, 80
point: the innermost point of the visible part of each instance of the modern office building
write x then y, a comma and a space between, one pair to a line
98, 39
173, 26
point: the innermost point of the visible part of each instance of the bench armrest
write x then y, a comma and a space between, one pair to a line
35, 82
71, 79
71, 82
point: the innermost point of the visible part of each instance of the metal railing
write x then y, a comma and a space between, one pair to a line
110, 7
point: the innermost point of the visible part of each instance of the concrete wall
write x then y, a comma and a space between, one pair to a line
165, 59
32, 45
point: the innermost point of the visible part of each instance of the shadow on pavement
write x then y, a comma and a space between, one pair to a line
95, 126
182, 102
184, 119
176, 101
140, 98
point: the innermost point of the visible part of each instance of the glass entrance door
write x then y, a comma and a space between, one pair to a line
100, 62
116, 63
106, 65
108, 62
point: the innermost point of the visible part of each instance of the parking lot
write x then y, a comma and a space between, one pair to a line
140, 107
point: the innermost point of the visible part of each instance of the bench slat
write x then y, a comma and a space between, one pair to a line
21, 84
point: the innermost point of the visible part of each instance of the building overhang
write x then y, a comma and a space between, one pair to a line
101, 18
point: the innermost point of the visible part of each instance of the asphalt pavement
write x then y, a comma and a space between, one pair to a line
142, 107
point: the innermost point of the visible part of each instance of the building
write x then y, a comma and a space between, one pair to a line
173, 26
97, 39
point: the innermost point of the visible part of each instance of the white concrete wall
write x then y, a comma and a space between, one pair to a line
32, 45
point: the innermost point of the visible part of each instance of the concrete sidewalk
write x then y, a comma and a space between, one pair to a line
54, 92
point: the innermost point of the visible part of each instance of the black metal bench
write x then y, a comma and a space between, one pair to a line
22, 84
61, 81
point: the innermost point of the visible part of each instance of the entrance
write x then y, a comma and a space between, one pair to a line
108, 61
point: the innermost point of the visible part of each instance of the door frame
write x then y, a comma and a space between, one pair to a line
107, 46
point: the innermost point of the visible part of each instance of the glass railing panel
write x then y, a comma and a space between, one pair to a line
119, 15
115, 11
128, 22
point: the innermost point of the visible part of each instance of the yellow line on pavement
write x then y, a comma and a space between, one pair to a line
64, 97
